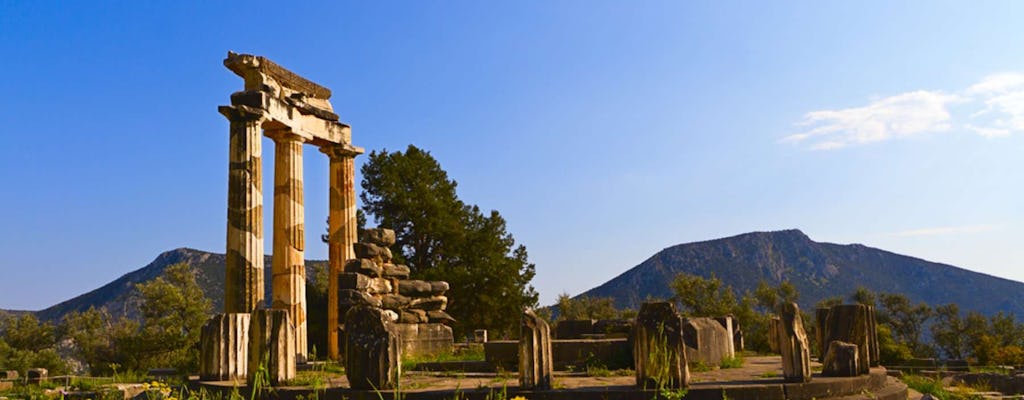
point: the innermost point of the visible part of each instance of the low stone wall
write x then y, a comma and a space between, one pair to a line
611, 353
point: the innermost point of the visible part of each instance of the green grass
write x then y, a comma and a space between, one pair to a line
926, 385
473, 353
731, 362
699, 366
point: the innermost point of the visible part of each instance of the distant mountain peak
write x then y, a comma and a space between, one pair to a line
818, 270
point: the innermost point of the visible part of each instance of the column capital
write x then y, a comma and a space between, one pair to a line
342, 150
282, 135
240, 113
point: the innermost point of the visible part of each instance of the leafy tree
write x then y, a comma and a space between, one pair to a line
864, 296
586, 307
769, 298
700, 297
441, 238
25, 343
907, 321
949, 332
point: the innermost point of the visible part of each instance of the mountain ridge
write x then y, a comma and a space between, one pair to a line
818, 269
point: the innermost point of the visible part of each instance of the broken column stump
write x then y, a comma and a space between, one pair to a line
841, 359
373, 350
793, 345
36, 375
535, 360
773, 338
659, 354
272, 347
849, 323
224, 347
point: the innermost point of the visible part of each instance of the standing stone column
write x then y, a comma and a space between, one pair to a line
341, 225
243, 283
271, 347
535, 360
288, 267
793, 344
659, 355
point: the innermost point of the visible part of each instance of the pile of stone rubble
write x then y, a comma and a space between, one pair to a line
373, 280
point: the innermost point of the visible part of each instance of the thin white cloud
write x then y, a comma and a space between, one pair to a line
945, 230
997, 102
902, 115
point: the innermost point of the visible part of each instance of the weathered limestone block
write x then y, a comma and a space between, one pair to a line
574, 328
659, 353
425, 339
433, 303
706, 340
10, 375
731, 327
415, 288
373, 350
737, 340
224, 347
820, 324
380, 236
793, 343
535, 360
480, 336
395, 302
396, 271
36, 375
411, 316
357, 281
438, 316
363, 266
370, 251
873, 349
272, 346
841, 359
773, 339
848, 323
349, 297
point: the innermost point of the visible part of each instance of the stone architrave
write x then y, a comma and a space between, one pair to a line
341, 226
773, 339
288, 265
271, 346
535, 359
841, 359
373, 349
243, 280
849, 323
224, 348
659, 353
793, 344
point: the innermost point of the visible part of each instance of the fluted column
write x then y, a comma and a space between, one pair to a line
243, 283
341, 221
288, 266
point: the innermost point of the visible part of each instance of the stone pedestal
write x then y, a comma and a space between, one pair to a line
535, 359
849, 323
658, 349
243, 282
841, 359
793, 344
707, 341
288, 266
271, 347
224, 348
373, 352
425, 339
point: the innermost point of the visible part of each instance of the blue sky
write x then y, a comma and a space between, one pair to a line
602, 131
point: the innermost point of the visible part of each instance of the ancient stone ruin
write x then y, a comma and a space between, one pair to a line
373, 352
536, 364
292, 111
658, 350
707, 341
850, 324
416, 308
793, 344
